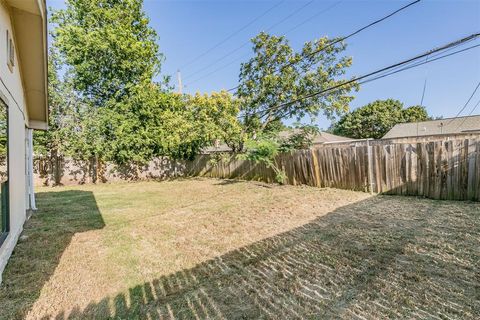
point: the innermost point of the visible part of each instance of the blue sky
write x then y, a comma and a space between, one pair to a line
189, 28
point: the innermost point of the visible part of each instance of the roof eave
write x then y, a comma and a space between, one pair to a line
29, 20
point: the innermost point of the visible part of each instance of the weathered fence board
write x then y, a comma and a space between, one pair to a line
436, 169
447, 169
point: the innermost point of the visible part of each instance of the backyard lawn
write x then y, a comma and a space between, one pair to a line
200, 248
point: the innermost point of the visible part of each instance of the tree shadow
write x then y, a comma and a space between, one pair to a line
41, 245
378, 258
226, 182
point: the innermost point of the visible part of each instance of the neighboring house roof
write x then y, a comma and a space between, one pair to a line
469, 124
324, 137
320, 138
218, 148
29, 20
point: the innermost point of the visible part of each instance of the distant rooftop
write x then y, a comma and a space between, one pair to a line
320, 138
469, 124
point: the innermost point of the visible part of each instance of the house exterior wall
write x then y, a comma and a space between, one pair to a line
11, 91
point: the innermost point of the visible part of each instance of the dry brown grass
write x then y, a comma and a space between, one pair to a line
223, 249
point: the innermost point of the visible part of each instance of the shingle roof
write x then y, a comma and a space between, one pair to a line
443, 126
321, 137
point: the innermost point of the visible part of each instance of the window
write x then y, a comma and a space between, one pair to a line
10, 52
4, 197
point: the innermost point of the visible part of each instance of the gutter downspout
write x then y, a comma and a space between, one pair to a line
31, 192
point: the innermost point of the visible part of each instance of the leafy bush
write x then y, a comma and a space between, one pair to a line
264, 150
301, 138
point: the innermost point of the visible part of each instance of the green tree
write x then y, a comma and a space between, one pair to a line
111, 53
215, 117
277, 75
109, 46
264, 149
191, 123
415, 114
375, 119
62, 102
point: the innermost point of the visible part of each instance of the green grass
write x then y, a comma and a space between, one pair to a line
190, 249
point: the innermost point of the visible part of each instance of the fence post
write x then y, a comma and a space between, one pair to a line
370, 169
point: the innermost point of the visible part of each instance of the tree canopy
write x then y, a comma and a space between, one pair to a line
109, 46
375, 119
107, 103
277, 75
121, 113
111, 53
62, 104
192, 122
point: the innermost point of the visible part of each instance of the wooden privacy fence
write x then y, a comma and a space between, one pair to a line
438, 169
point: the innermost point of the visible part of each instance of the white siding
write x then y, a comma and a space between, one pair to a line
11, 90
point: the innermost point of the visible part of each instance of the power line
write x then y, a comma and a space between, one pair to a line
290, 15
347, 36
248, 42
471, 112
313, 16
475, 107
465, 105
382, 72
421, 63
455, 43
233, 34
426, 74
357, 31
424, 85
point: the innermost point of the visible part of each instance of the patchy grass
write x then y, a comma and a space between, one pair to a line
222, 249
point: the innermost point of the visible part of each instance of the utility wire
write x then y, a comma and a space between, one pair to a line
423, 91
424, 84
314, 16
381, 72
475, 107
426, 79
347, 36
410, 66
465, 105
233, 34
246, 43
456, 43
465, 118
356, 32
432, 57
473, 110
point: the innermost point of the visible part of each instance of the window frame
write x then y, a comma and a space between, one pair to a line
10, 51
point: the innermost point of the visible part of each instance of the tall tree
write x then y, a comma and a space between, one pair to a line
375, 119
109, 46
61, 100
111, 52
277, 75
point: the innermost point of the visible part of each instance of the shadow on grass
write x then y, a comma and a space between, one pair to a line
385, 257
226, 182
43, 241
